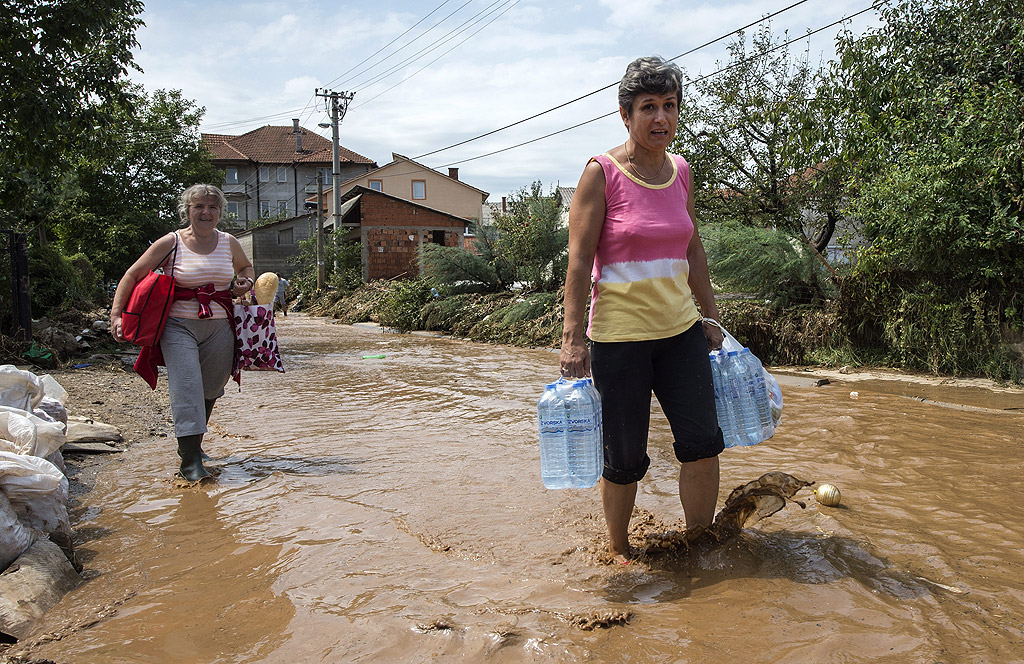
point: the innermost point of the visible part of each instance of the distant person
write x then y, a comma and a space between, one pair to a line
198, 343
282, 295
634, 248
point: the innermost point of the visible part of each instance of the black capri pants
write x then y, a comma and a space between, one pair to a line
678, 372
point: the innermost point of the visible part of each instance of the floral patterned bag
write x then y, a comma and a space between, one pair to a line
256, 338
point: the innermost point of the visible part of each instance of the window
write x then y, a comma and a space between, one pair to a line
231, 210
231, 176
325, 173
264, 208
284, 236
437, 237
377, 185
282, 174
419, 190
282, 207
264, 173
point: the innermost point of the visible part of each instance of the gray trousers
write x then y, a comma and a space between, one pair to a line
198, 355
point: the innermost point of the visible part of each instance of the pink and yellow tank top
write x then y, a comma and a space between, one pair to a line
640, 290
192, 269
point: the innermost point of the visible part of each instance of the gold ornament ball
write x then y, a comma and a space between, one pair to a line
828, 495
265, 288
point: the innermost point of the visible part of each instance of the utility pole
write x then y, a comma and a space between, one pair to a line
319, 232
337, 105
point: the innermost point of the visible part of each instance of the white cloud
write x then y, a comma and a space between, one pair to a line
252, 64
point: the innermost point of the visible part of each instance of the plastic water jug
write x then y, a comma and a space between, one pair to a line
759, 393
569, 423
737, 410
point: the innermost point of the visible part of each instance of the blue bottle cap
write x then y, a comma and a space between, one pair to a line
733, 353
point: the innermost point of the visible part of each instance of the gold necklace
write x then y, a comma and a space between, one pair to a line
637, 170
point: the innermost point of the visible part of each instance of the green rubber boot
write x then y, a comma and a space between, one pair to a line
189, 450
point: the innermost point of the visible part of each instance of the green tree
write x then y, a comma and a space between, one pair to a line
531, 239
934, 102
526, 244
760, 143
61, 64
122, 194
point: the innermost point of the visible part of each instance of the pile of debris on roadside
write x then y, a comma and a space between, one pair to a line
37, 558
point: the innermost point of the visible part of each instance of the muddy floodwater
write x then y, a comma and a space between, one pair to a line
391, 510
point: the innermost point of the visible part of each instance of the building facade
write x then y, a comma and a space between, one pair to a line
270, 171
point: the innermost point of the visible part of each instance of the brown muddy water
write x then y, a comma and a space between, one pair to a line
391, 510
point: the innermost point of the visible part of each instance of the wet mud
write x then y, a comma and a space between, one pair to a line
391, 510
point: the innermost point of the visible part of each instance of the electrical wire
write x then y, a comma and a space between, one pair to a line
611, 85
502, 13
696, 80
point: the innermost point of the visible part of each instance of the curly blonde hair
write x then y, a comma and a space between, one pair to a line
196, 192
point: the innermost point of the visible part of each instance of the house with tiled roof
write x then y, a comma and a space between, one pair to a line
270, 171
412, 181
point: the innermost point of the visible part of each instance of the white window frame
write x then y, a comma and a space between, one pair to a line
379, 183
282, 206
264, 173
230, 176
231, 209
282, 173
264, 208
424, 196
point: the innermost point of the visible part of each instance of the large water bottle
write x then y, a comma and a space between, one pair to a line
759, 393
554, 467
592, 389
586, 454
724, 405
571, 452
737, 377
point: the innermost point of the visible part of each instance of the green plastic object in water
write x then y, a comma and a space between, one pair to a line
374, 357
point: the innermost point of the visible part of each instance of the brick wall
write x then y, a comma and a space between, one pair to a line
388, 225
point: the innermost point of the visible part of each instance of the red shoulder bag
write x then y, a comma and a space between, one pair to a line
144, 317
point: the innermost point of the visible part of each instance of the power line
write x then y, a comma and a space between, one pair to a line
696, 80
610, 85
437, 43
382, 61
502, 13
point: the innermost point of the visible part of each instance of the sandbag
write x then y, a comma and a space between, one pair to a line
51, 410
31, 434
32, 586
37, 491
15, 538
19, 389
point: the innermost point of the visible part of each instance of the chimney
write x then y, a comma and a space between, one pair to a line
503, 206
298, 134
453, 173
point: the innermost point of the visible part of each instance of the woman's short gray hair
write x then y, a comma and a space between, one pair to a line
652, 75
196, 192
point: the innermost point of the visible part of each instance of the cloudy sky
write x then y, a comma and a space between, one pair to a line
432, 73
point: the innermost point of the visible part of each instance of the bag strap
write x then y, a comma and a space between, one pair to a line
173, 250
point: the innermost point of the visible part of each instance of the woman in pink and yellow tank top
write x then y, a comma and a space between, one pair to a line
198, 343
635, 249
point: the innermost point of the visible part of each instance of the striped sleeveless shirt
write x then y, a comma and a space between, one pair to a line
192, 269
640, 290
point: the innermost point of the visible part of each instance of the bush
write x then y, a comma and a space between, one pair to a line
54, 282
401, 306
92, 281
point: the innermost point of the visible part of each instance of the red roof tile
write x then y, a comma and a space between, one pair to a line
276, 145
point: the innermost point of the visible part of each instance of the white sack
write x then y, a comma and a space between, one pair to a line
52, 389
19, 389
15, 538
32, 435
53, 410
37, 491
